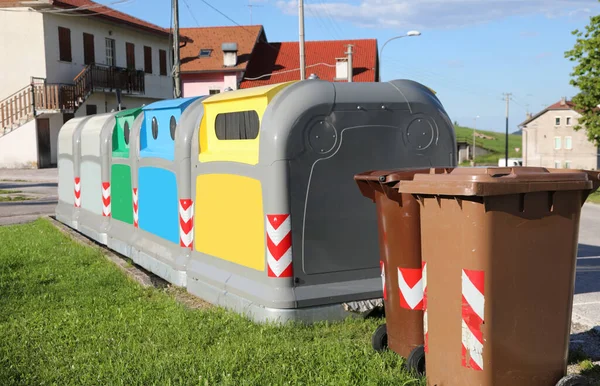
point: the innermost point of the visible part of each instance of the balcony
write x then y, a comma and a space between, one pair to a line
98, 77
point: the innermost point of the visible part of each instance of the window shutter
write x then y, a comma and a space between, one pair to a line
147, 60
64, 44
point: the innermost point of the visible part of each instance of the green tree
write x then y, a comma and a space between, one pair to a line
586, 77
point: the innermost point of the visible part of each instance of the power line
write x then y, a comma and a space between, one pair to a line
331, 19
324, 22
191, 13
247, 30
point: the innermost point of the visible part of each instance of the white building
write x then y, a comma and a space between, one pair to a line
65, 58
550, 141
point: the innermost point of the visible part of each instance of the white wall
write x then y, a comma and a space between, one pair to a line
56, 122
22, 42
157, 86
18, 149
538, 142
106, 102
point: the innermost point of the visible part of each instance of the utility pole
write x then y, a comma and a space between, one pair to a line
176, 64
474, 130
507, 95
301, 39
349, 62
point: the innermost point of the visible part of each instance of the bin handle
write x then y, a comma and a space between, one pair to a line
595, 177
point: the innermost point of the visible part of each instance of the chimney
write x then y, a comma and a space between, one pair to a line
341, 68
529, 115
229, 54
350, 68
563, 101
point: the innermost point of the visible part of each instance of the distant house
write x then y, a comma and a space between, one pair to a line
241, 57
550, 141
217, 58
65, 58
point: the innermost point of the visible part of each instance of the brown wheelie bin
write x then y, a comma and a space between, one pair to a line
499, 247
400, 251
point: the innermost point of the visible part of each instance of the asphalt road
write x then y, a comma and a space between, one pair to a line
42, 188
586, 303
39, 186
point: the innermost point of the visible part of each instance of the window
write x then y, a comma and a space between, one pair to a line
130, 55
557, 143
237, 125
568, 143
204, 53
89, 56
567, 164
557, 121
154, 128
147, 60
126, 132
172, 126
162, 61
64, 44
557, 164
110, 52
568, 121
213, 91
91, 109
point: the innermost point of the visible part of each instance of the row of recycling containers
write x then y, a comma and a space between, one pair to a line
247, 198
478, 268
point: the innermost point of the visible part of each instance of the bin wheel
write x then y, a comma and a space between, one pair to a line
573, 380
379, 340
415, 362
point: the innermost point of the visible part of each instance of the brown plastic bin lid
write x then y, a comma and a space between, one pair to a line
386, 181
496, 181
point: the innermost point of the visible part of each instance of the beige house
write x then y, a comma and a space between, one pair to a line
65, 58
550, 141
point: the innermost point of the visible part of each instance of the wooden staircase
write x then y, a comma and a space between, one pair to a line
40, 97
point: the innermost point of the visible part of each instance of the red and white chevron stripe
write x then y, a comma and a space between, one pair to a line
135, 207
77, 191
410, 283
279, 245
473, 305
186, 223
425, 321
382, 266
106, 199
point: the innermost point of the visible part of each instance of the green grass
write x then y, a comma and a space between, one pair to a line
594, 197
496, 144
68, 316
8, 191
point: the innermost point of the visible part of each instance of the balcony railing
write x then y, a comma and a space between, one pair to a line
101, 77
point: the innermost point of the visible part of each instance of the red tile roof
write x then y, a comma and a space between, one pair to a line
110, 14
568, 105
93, 9
246, 38
281, 61
560, 105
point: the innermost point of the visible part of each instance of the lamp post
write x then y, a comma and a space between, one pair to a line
408, 34
474, 129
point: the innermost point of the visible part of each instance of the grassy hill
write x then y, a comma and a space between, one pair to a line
493, 142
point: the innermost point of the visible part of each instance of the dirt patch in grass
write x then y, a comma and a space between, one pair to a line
14, 198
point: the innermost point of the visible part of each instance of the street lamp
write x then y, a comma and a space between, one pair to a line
474, 128
408, 34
